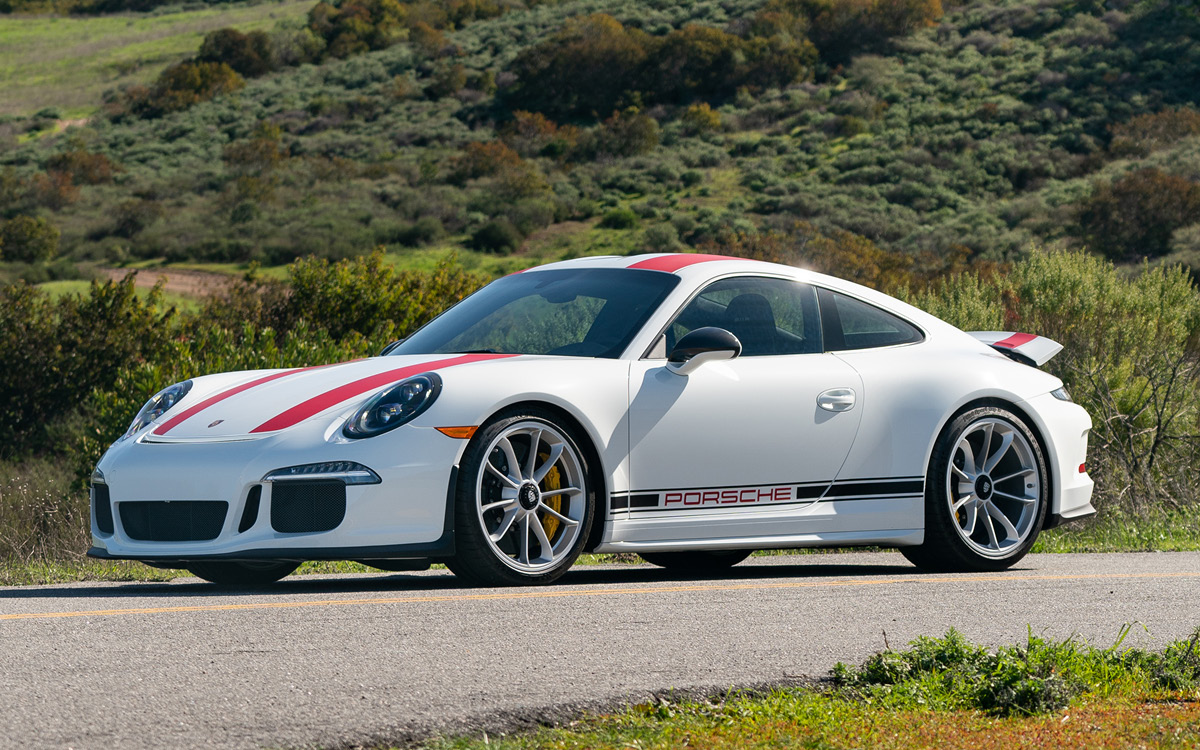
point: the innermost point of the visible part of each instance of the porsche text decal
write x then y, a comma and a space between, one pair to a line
766, 494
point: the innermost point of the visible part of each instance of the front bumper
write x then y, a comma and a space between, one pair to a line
406, 515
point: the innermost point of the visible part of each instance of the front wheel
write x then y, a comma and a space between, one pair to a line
524, 503
985, 494
243, 573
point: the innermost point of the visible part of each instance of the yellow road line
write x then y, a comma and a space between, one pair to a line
564, 593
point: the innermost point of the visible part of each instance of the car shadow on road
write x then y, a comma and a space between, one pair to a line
443, 581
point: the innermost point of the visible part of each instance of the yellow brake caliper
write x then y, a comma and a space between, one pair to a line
552, 481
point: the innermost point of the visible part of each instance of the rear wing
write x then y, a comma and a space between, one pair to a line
1025, 348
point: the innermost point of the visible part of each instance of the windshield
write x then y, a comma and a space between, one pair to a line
571, 312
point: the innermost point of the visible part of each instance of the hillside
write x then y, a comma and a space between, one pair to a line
65, 64
1004, 123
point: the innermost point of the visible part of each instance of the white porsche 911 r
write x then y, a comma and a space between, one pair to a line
689, 408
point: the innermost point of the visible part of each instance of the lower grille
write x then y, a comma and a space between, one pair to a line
298, 507
183, 521
103, 507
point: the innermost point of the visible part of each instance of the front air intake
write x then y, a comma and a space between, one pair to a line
304, 507
181, 521
102, 504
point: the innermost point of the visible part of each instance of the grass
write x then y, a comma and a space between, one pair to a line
68, 62
1116, 530
940, 692
58, 289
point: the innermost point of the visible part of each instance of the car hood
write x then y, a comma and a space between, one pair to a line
247, 405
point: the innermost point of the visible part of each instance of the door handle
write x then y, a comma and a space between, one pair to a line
836, 399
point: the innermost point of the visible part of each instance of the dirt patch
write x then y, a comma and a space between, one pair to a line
185, 282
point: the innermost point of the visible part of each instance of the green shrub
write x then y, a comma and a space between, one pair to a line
28, 239
619, 218
248, 54
496, 236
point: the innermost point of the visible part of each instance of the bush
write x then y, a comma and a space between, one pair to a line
497, 236
619, 218
1135, 215
248, 54
28, 239
182, 85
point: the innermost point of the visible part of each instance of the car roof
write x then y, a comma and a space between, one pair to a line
697, 267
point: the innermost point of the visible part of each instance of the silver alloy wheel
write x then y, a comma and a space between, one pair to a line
993, 486
530, 496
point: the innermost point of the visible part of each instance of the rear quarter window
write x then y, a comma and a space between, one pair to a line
852, 324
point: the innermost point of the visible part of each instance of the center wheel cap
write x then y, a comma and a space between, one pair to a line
983, 487
528, 496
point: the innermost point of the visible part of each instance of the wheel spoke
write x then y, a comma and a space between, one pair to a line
559, 516
1018, 498
1006, 441
540, 532
514, 466
555, 454
566, 491
962, 473
962, 501
505, 524
497, 504
989, 429
502, 476
535, 441
968, 452
972, 517
1014, 475
524, 554
1009, 530
991, 528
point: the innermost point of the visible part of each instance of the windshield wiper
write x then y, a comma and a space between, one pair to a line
474, 351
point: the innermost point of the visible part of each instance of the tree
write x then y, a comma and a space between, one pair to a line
248, 54
28, 239
1135, 215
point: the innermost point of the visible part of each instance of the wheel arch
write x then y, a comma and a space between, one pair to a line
588, 445
1030, 423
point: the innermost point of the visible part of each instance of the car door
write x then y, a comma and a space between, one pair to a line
738, 448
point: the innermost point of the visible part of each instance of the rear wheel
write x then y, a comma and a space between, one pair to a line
524, 502
243, 573
696, 561
985, 494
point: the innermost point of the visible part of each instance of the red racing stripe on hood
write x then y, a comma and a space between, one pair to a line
672, 263
318, 404
190, 412
1015, 340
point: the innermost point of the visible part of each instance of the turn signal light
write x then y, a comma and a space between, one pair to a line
462, 433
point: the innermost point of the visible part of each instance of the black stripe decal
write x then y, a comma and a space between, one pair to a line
903, 487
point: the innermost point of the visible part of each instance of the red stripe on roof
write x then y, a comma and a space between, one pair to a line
190, 412
672, 263
1015, 340
318, 404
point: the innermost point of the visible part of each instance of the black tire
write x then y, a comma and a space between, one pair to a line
699, 562
481, 560
242, 573
956, 540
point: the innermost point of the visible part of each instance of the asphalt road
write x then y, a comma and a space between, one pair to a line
354, 659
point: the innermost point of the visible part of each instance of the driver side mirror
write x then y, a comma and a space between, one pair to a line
702, 345
388, 349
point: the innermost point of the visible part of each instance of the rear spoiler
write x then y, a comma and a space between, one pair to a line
1025, 348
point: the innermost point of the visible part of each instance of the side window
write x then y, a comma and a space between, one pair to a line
850, 324
769, 316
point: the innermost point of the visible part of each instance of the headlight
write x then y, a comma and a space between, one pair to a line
1061, 394
397, 405
157, 406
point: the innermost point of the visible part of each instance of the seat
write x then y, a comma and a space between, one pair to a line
750, 318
